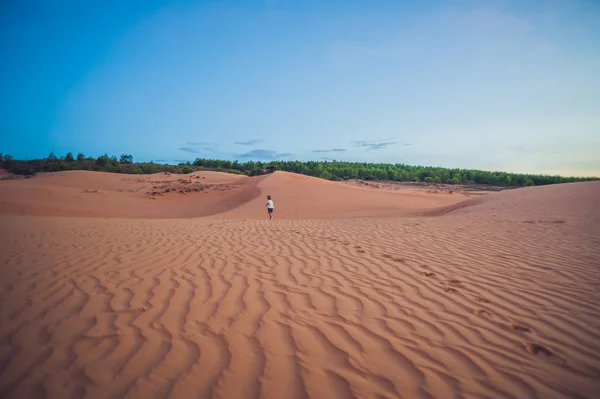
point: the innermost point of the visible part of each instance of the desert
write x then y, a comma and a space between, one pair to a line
300, 199
351, 291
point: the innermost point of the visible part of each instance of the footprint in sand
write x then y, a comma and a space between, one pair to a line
360, 251
428, 274
519, 328
393, 258
481, 299
132, 310
538, 349
456, 283
482, 312
451, 290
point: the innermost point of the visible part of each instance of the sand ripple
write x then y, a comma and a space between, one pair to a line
477, 303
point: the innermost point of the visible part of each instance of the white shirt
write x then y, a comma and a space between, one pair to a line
270, 204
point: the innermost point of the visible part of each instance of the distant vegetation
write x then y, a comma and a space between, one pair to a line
103, 163
326, 170
333, 170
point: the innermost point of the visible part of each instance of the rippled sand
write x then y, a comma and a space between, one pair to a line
348, 292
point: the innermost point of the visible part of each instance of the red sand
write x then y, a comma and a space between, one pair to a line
348, 292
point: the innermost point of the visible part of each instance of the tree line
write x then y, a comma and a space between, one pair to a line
334, 170
331, 170
103, 163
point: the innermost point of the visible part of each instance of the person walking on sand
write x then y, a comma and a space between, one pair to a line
270, 206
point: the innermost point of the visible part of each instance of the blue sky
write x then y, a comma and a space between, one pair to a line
500, 85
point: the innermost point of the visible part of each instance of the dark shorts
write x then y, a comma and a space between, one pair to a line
270, 210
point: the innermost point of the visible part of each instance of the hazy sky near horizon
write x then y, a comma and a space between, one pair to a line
500, 85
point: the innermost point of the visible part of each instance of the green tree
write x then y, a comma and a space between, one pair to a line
528, 182
114, 162
80, 157
326, 175
8, 162
69, 157
187, 169
112, 167
102, 160
126, 159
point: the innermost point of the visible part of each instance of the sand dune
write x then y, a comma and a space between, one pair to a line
95, 194
336, 298
300, 197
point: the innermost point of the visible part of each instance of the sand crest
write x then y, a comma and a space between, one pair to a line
348, 292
